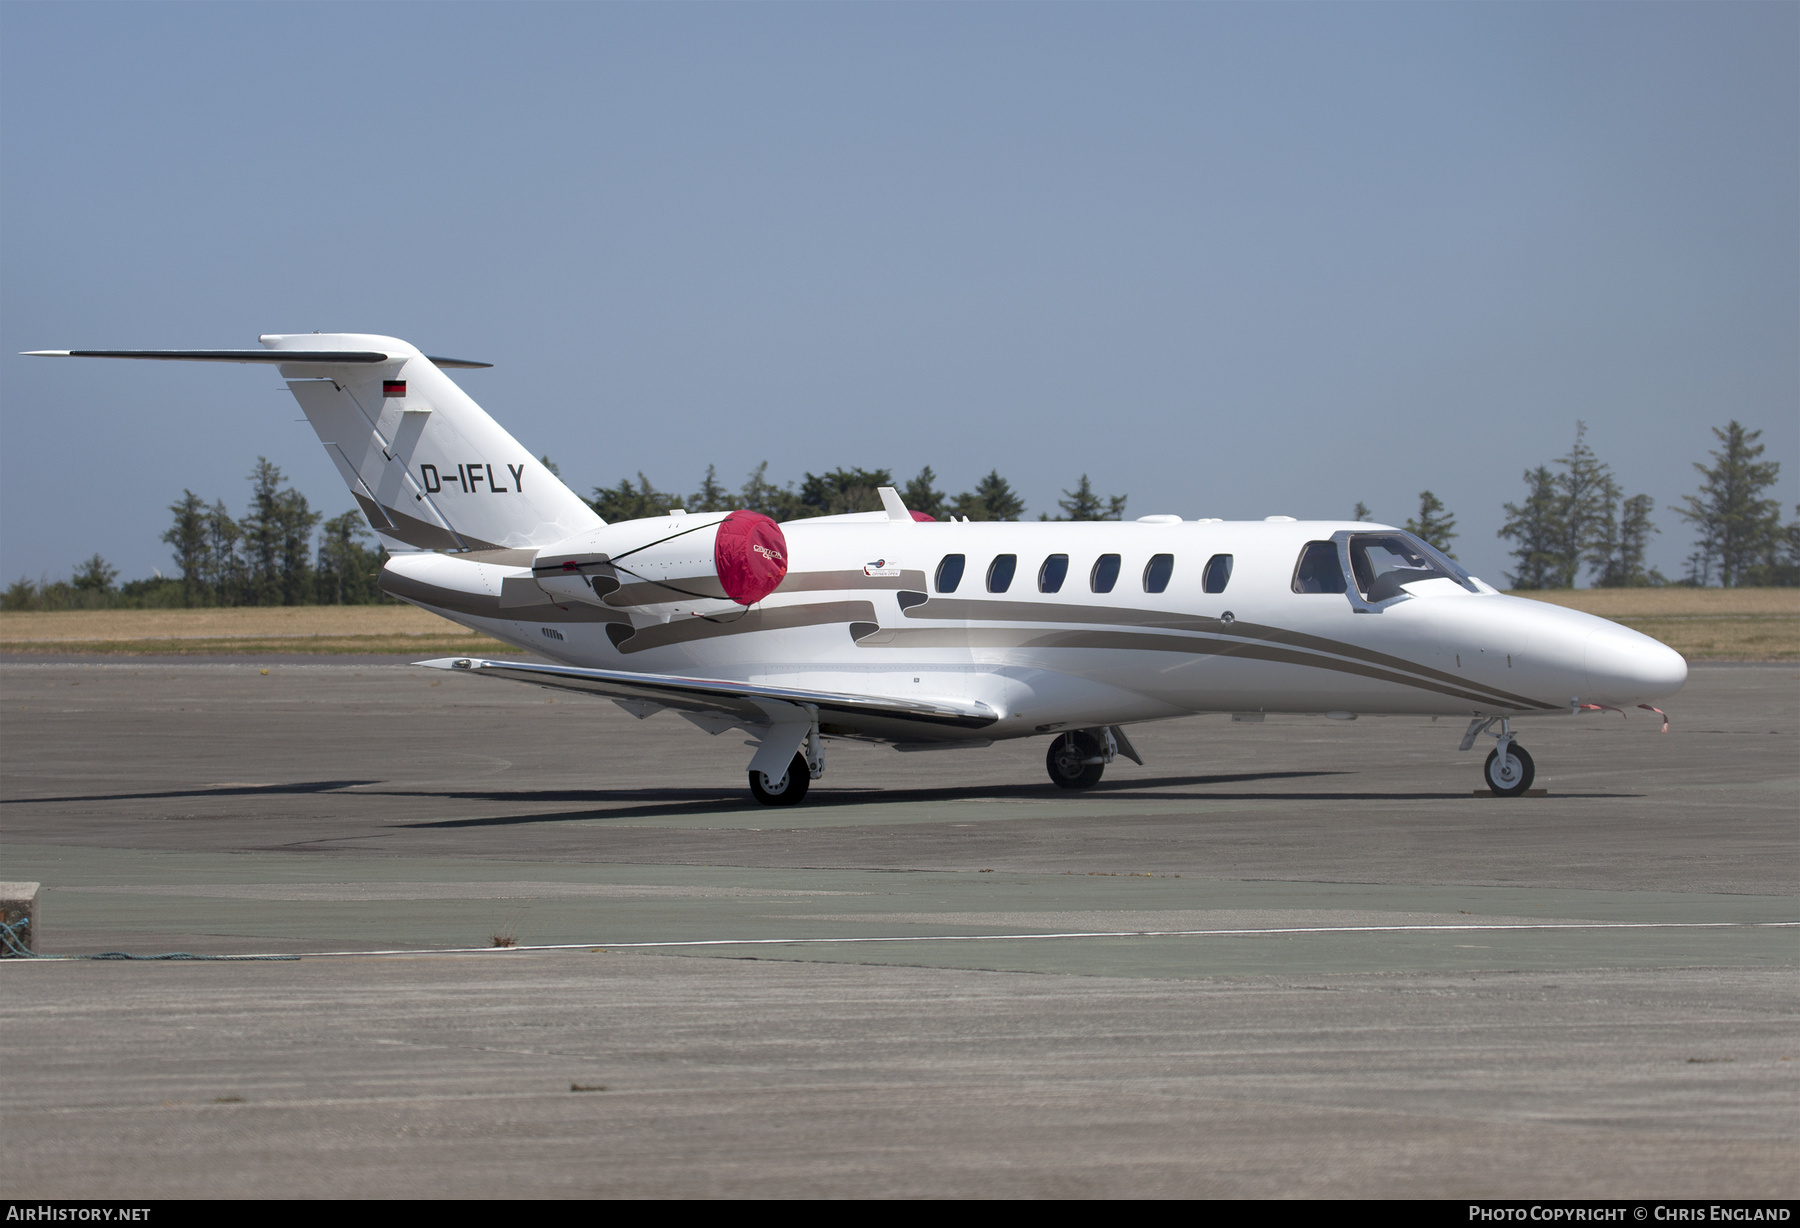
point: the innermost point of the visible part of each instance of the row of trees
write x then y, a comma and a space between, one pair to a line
265, 557
1575, 517
93, 587
848, 490
269, 555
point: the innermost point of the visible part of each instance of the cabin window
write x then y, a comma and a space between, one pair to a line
1318, 570
1218, 573
1157, 572
1105, 573
1000, 572
1052, 574
1383, 562
949, 573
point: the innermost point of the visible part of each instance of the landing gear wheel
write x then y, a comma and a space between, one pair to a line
1511, 776
784, 792
1068, 761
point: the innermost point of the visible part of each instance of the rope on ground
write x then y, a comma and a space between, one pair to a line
10, 941
12, 945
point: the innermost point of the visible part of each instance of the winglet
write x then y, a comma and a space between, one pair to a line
896, 510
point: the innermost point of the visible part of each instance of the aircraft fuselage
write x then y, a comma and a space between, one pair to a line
863, 610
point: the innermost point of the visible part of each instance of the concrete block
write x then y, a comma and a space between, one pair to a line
19, 902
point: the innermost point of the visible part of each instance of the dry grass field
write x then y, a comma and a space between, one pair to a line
244, 630
1623, 603
1758, 624
1702, 624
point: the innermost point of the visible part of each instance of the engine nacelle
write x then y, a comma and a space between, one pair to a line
736, 556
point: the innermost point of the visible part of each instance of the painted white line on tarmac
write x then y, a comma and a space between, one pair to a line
667, 944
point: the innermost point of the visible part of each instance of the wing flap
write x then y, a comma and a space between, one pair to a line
750, 702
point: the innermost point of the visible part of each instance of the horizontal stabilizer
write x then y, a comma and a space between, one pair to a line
284, 357
427, 465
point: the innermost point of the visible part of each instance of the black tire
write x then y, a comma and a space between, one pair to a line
789, 790
1067, 760
1517, 776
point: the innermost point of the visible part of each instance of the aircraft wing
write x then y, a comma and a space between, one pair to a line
749, 703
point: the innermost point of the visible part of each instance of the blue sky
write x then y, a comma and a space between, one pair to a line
1231, 260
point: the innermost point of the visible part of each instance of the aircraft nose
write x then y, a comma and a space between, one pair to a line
1624, 666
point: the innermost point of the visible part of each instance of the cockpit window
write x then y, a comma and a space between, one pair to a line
1384, 562
1318, 570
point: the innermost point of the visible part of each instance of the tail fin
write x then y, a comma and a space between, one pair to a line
428, 466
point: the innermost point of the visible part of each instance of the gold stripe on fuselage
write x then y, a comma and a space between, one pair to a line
964, 610
1196, 645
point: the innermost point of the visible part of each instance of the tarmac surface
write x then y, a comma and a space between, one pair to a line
1296, 958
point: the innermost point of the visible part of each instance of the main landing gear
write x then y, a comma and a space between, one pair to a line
1075, 760
1509, 770
1078, 757
807, 765
788, 791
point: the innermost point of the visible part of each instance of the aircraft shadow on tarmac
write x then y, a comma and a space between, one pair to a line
677, 802
274, 790
711, 800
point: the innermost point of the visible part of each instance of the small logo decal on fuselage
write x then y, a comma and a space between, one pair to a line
881, 567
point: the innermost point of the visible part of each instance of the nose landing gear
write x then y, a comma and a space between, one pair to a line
1511, 773
1509, 770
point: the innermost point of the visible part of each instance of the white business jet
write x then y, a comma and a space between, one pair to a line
891, 627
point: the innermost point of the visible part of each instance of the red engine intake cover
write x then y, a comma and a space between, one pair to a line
750, 555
